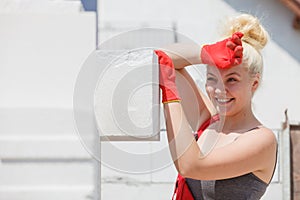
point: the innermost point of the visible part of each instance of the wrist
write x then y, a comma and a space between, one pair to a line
170, 95
172, 101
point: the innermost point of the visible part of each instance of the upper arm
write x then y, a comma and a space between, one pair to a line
197, 106
248, 153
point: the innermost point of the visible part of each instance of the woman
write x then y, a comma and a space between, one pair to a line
235, 156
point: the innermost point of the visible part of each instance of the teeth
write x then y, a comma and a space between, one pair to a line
223, 100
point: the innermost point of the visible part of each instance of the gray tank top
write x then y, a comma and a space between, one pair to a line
245, 187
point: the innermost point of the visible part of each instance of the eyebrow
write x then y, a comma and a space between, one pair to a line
233, 73
210, 74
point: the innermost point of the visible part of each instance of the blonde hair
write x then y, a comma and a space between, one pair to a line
254, 40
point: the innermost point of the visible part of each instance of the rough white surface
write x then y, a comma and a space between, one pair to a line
41, 155
137, 191
48, 50
124, 96
40, 6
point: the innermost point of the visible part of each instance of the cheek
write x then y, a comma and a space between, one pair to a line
235, 88
241, 91
209, 90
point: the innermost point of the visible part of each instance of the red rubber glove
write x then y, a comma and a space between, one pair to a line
224, 54
167, 78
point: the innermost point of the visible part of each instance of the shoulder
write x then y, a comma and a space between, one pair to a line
247, 153
264, 133
265, 143
262, 137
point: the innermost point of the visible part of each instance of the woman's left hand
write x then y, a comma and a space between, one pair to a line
225, 53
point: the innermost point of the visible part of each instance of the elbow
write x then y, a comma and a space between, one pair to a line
186, 170
184, 173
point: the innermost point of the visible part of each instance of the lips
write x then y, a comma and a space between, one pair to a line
224, 101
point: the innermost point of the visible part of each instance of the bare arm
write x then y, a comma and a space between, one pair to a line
183, 54
197, 107
248, 153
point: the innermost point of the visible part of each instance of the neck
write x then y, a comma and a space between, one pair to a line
241, 121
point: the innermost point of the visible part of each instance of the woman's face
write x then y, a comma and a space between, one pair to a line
231, 89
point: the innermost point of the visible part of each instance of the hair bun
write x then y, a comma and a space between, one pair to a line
254, 32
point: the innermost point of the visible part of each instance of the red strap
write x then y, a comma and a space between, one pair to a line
182, 191
213, 119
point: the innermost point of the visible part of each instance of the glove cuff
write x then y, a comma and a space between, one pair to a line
170, 96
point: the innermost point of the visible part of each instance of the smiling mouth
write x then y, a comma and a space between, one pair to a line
224, 101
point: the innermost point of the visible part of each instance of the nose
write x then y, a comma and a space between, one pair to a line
220, 89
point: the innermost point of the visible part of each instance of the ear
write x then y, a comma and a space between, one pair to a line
255, 82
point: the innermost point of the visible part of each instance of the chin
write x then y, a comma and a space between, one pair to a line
225, 113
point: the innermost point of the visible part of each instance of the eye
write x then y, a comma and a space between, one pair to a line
232, 80
211, 79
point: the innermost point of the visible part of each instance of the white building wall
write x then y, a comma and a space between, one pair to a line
44, 44
40, 6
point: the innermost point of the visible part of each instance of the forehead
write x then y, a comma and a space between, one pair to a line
239, 69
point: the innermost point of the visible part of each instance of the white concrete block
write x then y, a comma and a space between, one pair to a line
127, 157
113, 176
40, 6
41, 55
127, 93
274, 191
164, 170
45, 173
47, 192
136, 191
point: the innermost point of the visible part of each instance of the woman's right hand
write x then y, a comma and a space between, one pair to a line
167, 78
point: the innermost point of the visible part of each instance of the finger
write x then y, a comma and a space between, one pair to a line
239, 34
231, 45
238, 51
237, 61
236, 39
